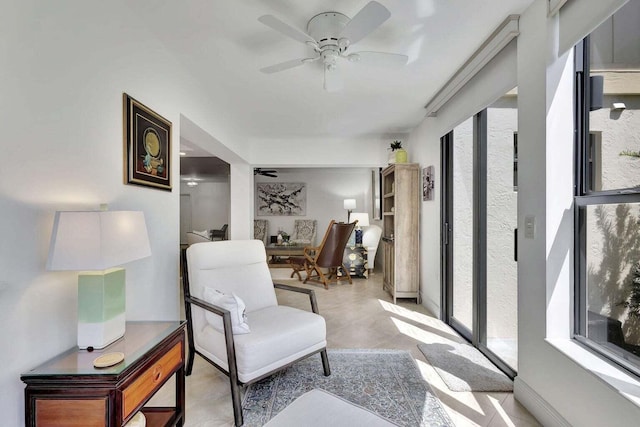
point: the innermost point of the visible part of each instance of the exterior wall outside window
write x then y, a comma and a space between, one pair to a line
502, 214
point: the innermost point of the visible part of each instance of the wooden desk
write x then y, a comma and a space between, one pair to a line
68, 391
275, 254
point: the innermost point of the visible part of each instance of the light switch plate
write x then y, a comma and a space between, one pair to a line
530, 227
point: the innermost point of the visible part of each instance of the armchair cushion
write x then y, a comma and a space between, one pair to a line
280, 335
234, 304
238, 267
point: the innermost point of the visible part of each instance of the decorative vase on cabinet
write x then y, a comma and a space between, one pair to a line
401, 155
400, 230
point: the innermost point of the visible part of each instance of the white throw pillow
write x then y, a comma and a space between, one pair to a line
234, 304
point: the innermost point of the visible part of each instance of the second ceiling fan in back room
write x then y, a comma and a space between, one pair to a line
330, 34
265, 172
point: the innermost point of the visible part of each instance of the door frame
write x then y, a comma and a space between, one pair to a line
477, 336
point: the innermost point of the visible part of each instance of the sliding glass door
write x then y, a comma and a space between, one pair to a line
479, 202
461, 225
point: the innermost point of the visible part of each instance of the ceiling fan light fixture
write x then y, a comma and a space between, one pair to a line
192, 184
330, 34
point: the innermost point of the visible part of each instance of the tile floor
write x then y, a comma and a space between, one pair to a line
360, 316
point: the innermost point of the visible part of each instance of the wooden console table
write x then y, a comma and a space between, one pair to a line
275, 252
68, 391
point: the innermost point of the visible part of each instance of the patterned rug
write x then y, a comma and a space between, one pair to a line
386, 382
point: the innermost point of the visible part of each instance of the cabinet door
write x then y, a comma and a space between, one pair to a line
388, 258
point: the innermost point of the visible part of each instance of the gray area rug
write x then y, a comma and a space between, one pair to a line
464, 368
386, 382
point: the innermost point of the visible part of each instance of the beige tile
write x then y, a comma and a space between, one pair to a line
360, 315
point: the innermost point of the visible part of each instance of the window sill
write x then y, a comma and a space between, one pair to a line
616, 378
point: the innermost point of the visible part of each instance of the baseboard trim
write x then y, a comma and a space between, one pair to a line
430, 305
539, 408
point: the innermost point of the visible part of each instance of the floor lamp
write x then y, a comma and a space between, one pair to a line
349, 205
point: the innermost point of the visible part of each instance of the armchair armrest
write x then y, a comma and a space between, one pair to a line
228, 332
310, 292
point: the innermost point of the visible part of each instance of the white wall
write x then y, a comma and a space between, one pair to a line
209, 204
326, 190
64, 69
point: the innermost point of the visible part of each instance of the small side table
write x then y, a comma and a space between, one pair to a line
68, 388
355, 260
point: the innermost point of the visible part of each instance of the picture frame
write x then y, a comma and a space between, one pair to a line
428, 183
147, 146
281, 199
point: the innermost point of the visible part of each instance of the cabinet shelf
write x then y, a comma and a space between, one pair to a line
159, 417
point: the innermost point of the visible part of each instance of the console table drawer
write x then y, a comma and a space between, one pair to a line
151, 380
71, 412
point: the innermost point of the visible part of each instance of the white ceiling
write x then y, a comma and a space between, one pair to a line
223, 45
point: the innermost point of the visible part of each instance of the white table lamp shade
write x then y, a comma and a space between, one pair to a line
362, 217
84, 241
93, 243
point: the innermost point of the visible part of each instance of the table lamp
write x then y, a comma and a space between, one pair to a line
93, 243
363, 221
349, 205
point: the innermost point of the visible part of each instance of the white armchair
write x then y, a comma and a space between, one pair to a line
370, 240
252, 346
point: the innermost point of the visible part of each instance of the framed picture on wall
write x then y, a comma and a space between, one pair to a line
427, 183
147, 146
281, 198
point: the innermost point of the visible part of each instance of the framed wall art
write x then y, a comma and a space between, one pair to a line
147, 146
427, 183
281, 198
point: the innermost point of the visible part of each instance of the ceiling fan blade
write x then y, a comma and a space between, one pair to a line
286, 65
378, 58
286, 29
332, 80
269, 175
368, 19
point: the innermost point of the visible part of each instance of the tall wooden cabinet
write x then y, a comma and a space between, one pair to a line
400, 230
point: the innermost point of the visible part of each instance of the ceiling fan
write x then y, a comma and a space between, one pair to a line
330, 34
265, 172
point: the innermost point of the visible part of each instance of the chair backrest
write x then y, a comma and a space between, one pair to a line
261, 230
232, 266
197, 237
331, 250
371, 236
304, 230
221, 234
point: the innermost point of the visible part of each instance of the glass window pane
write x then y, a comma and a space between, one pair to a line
463, 223
614, 119
613, 276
